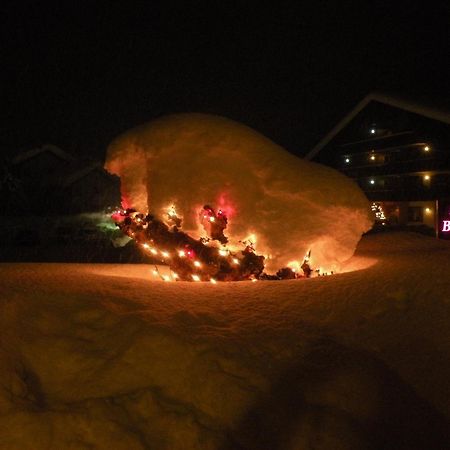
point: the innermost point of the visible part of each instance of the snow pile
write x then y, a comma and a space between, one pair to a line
102, 357
283, 204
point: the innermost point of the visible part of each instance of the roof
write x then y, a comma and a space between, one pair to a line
397, 102
79, 174
24, 156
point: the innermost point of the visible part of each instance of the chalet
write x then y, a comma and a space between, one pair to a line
39, 172
398, 151
91, 189
49, 161
54, 182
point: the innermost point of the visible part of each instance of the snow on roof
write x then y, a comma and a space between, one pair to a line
390, 100
79, 174
39, 150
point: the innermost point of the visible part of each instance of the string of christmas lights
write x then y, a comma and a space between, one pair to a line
377, 208
205, 259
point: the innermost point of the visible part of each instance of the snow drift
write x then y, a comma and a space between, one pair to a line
103, 357
283, 204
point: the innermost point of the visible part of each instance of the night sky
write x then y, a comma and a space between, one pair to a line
79, 73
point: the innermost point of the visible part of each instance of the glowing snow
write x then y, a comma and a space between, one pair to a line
289, 205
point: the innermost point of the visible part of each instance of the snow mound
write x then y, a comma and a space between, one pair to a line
285, 205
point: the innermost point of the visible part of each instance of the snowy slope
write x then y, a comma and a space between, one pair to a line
105, 357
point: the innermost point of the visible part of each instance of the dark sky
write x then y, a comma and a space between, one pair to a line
80, 72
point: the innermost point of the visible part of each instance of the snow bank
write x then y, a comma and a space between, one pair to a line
286, 204
103, 357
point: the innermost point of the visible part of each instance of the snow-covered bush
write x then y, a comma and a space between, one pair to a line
285, 205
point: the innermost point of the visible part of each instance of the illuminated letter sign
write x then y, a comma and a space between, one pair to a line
446, 225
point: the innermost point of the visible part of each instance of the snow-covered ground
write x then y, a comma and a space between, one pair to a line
106, 357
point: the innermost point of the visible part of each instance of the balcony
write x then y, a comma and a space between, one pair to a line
418, 186
378, 163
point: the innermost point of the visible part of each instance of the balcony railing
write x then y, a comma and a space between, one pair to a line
399, 167
400, 187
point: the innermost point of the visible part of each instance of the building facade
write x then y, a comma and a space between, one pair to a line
398, 152
53, 182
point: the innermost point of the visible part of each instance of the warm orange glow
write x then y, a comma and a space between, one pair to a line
195, 255
171, 211
294, 266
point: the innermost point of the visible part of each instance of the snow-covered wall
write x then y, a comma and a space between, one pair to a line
286, 204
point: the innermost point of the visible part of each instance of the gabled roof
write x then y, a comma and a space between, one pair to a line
397, 102
24, 156
79, 174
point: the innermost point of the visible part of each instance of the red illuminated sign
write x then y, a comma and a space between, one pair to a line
445, 225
